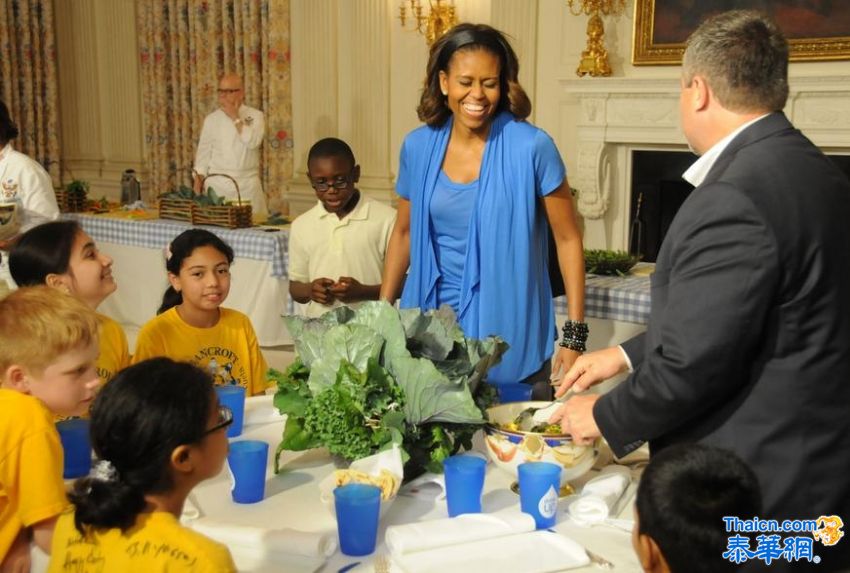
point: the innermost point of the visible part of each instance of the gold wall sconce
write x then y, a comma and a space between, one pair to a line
439, 17
594, 59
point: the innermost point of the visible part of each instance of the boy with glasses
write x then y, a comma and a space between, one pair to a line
337, 248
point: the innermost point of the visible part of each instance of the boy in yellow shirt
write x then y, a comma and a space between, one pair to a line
48, 351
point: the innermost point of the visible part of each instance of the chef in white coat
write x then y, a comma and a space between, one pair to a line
230, 143
25, 184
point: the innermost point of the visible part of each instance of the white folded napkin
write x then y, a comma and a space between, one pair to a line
424, 535
599, 496
419, 487
261, 410
531, 552
268, 541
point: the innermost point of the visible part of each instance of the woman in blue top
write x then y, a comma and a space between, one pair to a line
477, 185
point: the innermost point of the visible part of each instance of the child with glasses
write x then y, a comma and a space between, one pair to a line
337, 248
157, 430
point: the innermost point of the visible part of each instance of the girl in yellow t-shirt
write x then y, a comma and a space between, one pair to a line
61, 255
157, 430
192, 326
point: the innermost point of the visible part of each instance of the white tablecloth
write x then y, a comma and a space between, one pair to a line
292, 500
259, 286
141, 277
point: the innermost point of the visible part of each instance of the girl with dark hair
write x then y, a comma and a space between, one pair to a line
192, 325
157, 431
23, 183
61, 255
477, 186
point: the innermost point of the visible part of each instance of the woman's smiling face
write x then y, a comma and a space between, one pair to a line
472, 88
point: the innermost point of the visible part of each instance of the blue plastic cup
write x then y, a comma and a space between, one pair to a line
247, 461
464, 483
539, 483
357, 509
514, 392
74, 435
234, 398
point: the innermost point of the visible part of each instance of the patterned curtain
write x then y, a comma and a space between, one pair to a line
185, 46
28, 78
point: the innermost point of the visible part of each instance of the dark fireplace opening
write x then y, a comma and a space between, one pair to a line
658, 191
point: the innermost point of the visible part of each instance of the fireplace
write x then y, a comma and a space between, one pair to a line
657, 192
623, 122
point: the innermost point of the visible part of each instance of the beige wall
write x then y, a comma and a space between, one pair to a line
99, 91
356, 74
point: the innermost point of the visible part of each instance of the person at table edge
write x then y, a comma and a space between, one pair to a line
24, 181
476, 186
748, 342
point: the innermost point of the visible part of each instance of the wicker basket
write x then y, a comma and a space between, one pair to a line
231, 216
73, 202
176, 209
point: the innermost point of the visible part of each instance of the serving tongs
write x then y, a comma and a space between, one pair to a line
540, 414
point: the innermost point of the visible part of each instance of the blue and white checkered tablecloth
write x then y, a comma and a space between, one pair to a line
157, 233
615, 298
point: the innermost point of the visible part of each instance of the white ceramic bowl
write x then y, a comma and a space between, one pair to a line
508, 449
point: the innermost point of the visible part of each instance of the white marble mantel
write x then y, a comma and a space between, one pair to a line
618, 115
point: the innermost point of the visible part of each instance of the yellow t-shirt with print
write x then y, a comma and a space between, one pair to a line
156, 542
114, 355
31, 486
229, 351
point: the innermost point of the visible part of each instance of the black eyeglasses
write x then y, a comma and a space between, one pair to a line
338, 183
229, 91
225, 418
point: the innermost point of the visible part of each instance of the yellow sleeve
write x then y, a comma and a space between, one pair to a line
149, 343
259, 368
217, 560
62, 535
114, 355
37, 468
123, 350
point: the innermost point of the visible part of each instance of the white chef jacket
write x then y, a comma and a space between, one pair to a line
222, 149
25, 182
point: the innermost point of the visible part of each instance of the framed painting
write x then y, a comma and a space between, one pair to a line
816, 29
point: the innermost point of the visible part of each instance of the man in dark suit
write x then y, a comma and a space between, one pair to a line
748, 342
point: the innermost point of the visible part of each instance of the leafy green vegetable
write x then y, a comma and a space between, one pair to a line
367, 378
602, 262
208, 199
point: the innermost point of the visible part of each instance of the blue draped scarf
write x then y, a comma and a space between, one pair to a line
505, 287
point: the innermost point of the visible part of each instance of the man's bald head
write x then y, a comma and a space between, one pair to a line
230, 93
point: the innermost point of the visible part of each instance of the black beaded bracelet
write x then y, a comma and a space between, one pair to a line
575, 335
